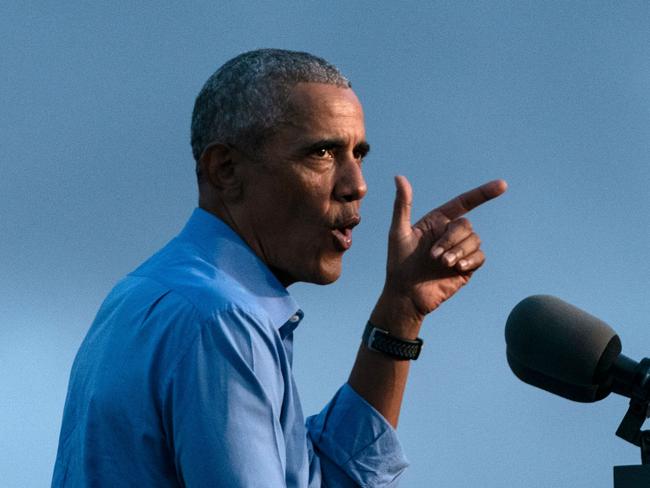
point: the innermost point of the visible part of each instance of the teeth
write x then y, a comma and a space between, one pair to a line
345, 235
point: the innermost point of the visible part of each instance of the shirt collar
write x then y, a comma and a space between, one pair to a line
228, 252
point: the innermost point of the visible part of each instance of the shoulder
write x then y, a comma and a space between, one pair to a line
198, 303
183, 269
178, 310
197, 306
146, 329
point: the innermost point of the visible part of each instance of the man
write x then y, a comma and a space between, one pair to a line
184, 378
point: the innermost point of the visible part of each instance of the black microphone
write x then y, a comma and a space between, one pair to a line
564, 350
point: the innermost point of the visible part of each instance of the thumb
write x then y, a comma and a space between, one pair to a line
401, 222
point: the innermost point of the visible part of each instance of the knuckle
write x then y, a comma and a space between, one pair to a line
463, 223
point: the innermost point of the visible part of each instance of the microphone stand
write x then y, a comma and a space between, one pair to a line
632, 379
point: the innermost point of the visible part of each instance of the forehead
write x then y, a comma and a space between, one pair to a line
324, 107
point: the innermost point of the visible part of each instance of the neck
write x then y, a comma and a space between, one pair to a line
222, 211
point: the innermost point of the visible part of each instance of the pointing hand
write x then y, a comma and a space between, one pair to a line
430, 261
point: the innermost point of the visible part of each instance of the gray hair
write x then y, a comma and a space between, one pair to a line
245, 99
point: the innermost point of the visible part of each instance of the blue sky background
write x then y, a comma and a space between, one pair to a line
97, 173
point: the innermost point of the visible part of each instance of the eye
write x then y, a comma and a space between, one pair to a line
361, 151
324, 152
359, 155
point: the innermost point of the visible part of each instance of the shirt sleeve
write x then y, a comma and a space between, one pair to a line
223, 422
224, 408
353, 441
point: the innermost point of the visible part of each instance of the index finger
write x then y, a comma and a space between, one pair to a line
469, 200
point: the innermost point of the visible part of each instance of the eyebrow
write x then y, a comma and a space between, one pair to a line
362, 147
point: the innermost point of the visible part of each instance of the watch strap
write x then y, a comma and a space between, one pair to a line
381, 340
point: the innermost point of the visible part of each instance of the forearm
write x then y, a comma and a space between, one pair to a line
377, 377
427, 264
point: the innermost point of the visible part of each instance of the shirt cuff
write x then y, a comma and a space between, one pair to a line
357, 438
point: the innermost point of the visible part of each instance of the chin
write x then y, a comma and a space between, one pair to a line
322, 272
329, 274
326, 280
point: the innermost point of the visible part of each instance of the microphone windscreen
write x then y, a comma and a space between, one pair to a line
558, 347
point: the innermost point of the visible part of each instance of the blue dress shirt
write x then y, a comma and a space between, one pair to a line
184, 379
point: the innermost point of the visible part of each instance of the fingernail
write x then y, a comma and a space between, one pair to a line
437, 252
463, 263
450, 258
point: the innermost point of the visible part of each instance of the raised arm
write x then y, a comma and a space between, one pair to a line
427, 263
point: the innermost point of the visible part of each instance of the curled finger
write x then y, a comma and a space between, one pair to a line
471, 262
457, 231
466, 247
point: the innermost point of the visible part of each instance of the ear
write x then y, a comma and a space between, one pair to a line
219, 169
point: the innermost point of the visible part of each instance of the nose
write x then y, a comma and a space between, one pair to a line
350, 185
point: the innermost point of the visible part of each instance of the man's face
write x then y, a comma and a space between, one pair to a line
302, 193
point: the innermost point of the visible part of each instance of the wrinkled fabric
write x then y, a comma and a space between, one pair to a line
185, 379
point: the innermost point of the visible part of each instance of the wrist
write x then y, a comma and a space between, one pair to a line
397, 315
381, 341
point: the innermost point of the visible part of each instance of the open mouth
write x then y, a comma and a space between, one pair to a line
342, 238
342, 233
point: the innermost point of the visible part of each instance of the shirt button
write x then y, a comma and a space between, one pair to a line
294, 318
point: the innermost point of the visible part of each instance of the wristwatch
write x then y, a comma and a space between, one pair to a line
380, 340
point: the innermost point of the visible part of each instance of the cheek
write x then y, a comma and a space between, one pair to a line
300, 206
316, 198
